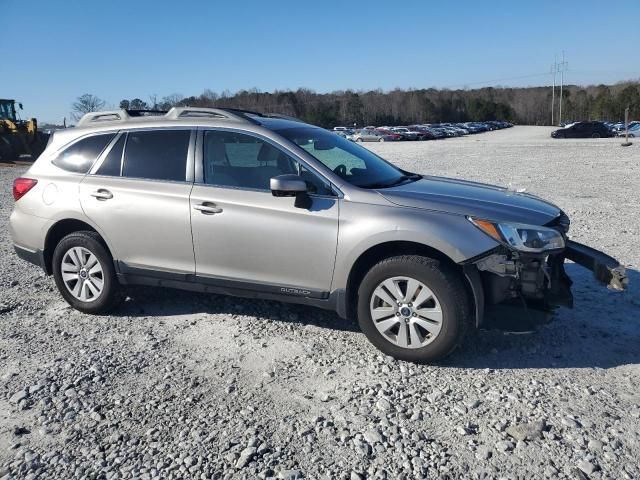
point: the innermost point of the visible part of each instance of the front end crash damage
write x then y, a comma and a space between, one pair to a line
521, 290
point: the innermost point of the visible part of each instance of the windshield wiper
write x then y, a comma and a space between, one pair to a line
397, 181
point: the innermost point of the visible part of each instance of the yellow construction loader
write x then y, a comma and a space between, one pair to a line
18, 137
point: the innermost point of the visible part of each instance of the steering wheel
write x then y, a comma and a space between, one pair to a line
341, 170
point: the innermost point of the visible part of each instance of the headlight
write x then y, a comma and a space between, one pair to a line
524, 238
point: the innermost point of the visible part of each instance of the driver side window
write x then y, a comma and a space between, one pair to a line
240, 160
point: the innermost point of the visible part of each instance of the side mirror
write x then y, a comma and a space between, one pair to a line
287, 185
20, 105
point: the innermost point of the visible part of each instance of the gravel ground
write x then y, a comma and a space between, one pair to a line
183, 385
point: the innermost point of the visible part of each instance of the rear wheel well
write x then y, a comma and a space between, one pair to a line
57, 232
391, 249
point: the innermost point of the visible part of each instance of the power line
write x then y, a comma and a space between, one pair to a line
497, 80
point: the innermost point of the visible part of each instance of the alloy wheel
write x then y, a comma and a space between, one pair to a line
82, 274
406, 312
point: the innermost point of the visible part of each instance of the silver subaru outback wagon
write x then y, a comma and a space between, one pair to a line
240, 203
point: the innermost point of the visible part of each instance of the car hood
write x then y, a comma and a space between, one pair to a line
471, 198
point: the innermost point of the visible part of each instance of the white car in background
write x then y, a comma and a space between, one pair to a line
634, 131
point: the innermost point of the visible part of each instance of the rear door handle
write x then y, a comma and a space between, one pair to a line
102, 194
208, 208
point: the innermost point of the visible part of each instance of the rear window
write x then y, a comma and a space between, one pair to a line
157, 155
79, 157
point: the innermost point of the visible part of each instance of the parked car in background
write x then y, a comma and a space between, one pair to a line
344, 132
426, 133
406, 133
458, 131
436, 131
389, 134
370, 135
583, 130
633, 131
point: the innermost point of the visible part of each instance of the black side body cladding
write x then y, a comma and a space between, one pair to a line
36, 257
133, 275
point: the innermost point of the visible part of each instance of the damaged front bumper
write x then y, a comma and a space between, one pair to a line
606, 270
516, 291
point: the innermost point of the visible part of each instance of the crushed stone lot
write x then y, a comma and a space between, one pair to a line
183, 385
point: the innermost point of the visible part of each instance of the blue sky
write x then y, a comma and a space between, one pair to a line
54, 51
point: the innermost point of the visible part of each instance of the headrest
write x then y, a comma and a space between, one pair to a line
268, 154
216, 150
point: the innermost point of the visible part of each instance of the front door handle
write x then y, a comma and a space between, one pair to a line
102, 194
208, 208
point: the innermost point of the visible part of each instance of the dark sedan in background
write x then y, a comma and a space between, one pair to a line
583, 130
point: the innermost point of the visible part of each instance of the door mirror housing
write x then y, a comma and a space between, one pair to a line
287, 185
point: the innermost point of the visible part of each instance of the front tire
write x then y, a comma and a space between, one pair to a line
413, 308
84, 273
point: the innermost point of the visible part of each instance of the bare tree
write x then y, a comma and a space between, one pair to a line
84, 104
153, 101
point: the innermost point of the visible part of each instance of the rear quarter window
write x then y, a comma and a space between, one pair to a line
79, 157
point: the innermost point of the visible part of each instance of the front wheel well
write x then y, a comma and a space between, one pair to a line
391, 249
56, 233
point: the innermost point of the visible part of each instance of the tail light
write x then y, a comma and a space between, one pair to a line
21, 186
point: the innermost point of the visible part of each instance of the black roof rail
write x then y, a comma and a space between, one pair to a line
245, 114
146, 113
249, 113
283, 117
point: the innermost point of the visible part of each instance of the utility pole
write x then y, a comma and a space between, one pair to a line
554, 71
562, 68
626, 128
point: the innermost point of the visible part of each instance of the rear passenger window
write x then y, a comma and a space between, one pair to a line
111, 165
79, 157
157, 155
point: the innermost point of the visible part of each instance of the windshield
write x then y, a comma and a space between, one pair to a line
353, 163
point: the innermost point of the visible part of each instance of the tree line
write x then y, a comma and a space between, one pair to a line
530, 105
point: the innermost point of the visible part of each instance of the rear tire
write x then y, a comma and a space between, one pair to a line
84, 273
423, 287
595, 135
